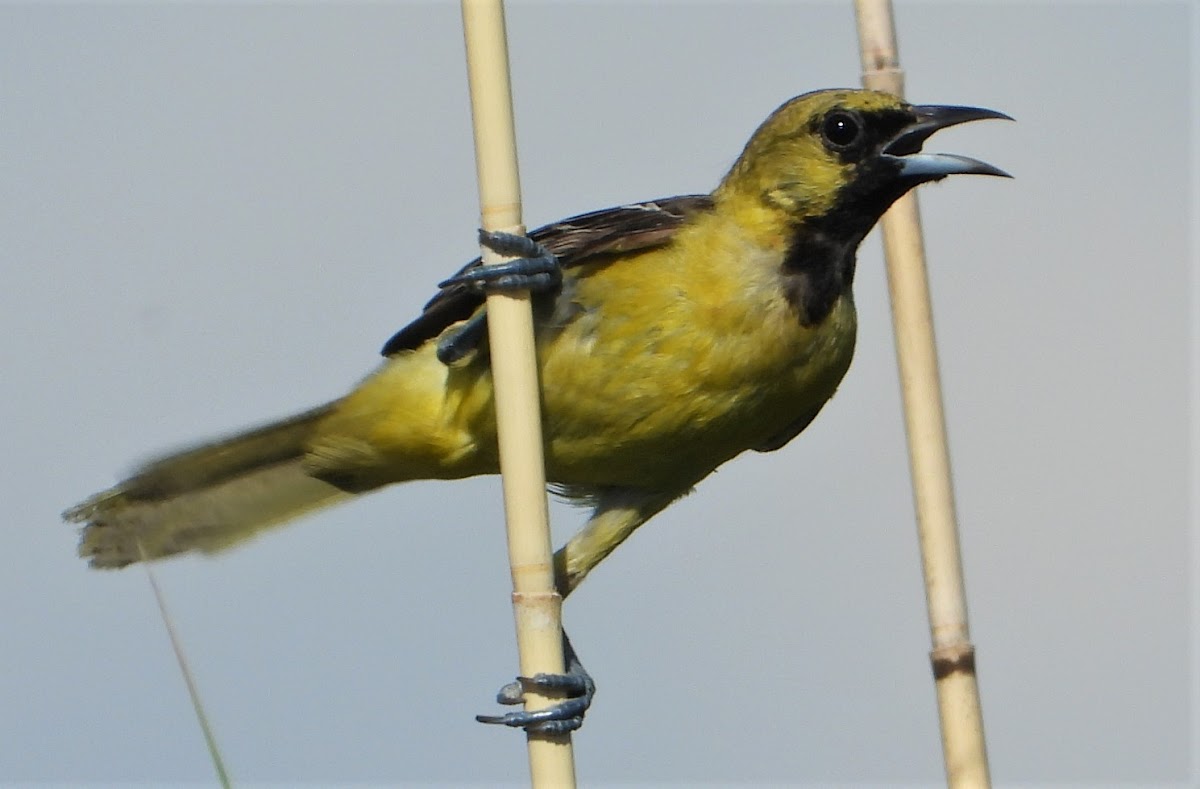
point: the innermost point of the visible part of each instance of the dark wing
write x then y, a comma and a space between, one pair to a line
575, 241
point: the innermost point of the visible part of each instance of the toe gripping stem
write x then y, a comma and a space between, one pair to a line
534, 268
566, 716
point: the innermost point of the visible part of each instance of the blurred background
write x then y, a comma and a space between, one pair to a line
213, 215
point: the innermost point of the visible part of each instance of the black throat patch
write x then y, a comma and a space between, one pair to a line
817, 270
819, 265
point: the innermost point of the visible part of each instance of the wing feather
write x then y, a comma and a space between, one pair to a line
575, 241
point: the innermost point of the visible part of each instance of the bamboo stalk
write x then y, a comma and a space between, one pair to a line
953, 655
536, 605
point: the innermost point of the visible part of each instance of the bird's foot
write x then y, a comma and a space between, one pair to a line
533, 267
566, 716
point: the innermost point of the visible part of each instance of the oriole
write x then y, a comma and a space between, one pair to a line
672, 335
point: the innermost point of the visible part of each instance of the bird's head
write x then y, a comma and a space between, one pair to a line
846, 155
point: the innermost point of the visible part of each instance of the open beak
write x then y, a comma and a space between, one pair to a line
905, 147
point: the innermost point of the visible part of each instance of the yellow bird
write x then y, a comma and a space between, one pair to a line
672, 336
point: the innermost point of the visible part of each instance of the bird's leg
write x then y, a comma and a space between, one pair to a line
534, 268
566, 716
618, 513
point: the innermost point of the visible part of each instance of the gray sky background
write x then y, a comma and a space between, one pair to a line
215, 215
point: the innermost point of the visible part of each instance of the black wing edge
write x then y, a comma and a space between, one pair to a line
579, 239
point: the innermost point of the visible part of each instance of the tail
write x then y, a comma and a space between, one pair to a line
207, 498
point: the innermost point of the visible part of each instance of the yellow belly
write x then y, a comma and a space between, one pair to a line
635, 400
659, 372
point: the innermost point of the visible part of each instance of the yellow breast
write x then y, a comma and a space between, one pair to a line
655, 369
671, 366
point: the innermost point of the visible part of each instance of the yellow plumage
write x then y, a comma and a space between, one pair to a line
685, 332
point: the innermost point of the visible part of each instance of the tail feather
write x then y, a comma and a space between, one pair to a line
207, 498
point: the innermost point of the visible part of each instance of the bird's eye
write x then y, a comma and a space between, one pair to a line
841, 129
